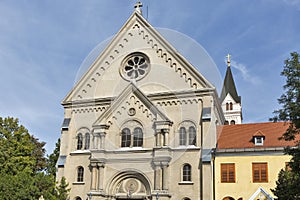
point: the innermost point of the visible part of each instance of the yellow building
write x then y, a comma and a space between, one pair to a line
248, 159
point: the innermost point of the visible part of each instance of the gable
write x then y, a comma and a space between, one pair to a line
131, 102
168, 70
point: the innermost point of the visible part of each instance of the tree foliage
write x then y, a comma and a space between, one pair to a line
290, 100
52, 159
19, 151
62, 190
288, 183
25, 172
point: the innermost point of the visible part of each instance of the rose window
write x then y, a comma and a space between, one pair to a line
135, 67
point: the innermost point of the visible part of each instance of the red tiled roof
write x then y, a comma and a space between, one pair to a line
241, 135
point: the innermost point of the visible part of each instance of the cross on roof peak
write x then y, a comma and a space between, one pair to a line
138, 6
228, 60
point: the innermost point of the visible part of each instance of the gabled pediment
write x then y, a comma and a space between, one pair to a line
137, 35
130, 102
261, 193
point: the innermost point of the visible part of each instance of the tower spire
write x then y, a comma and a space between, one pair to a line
137, 6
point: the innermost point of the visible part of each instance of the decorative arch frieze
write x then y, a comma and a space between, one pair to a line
178, 102
129, 183
88, 110
163, 54
136, 29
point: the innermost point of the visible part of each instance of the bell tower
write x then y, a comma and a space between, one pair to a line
230, 100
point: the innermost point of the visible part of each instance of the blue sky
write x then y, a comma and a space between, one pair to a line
44, 42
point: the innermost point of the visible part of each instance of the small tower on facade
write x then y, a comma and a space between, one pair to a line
231, 101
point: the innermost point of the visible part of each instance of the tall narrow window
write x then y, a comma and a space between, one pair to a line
182, 136
227, 106
137, 137
228, 173
79, 141
260, 172
230, 106
87, 141
192, 135
80, 172
126, 138
186, 172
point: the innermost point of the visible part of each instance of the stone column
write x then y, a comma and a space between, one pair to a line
102, 140
96, 140
99, 134
94, 181
165, 175
157, 177
101, 176
166, 137
158, 139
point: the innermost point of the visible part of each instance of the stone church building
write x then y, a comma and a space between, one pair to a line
141, 122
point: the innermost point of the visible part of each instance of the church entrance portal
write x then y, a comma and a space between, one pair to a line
130, 185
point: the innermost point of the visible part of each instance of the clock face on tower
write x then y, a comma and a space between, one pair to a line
135, 66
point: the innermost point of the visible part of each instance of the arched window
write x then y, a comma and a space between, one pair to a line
230, 106
187, 172
137, 137
78, 198
192, 135
79, 141
187, 133
80, 172
227, 106
226, 122
132, 134
87, 141
186, 198
126, 138
182, 136
232, 122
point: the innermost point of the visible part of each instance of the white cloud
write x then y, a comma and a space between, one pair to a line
247, 76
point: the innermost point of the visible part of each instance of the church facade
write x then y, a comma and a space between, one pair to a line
140, 123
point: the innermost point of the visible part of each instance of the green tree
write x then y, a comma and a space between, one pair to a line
288, 184
62, 190
290, 99
53, 158
22, 164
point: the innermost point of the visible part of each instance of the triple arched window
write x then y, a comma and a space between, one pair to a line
132, 134
187, 133
83, 139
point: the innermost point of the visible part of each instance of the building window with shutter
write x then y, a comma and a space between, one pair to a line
228, 173
260, 172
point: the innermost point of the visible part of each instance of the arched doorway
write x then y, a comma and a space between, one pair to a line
130, 184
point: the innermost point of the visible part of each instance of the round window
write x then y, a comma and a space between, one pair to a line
135, 66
